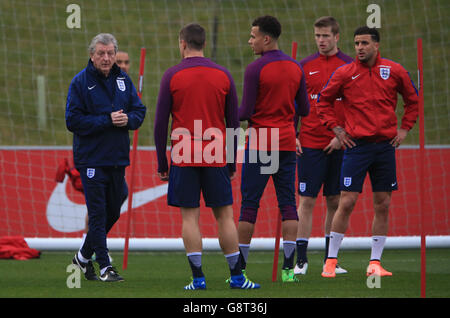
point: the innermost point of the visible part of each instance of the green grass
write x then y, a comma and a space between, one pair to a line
163, 274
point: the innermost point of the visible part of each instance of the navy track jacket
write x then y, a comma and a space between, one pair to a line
91, 99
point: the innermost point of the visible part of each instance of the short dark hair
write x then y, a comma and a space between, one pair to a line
194, 35
328, 21
268, 25
375, 35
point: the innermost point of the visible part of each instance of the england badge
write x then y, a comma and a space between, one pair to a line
121, 84
302, 186
90, 172
347, 181
385, 72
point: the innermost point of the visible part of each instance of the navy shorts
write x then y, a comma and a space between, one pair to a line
377, 159
253, 182
186, 184
315, 168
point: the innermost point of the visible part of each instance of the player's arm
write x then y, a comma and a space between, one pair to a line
302, 108
411, 99
163, 109
78, 120
232, 121
326, 111
250, 92
136, 111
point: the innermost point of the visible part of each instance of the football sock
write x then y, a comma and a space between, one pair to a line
103, 270
233, 263
327, 246
377, 247
195, 261
302, 246
289, 249
244, 249
82, 258
335, 244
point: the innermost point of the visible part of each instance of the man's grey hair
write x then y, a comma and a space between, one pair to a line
105, 39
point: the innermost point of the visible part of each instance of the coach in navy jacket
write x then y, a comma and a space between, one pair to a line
102, 106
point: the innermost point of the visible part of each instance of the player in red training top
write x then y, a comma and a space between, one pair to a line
274, 95
201, 97
320, 152
368, 87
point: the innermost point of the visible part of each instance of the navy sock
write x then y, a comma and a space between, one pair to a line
327, 245
302, 246
289, 252
195, 261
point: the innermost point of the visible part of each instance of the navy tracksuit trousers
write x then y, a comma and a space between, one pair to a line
105, 190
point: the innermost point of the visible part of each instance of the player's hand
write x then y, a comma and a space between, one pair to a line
164, 176
343, 137
401, 135
334, 144
119, 118
298, 148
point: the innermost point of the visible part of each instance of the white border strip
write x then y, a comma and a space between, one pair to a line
176, 244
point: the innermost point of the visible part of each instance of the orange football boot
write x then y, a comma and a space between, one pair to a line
375, 268
329, 269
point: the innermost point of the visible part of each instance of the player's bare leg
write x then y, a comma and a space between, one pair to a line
190, 232
245, 232
228, 235
192, 240
381, 203
339, 226
332, 202
305, 212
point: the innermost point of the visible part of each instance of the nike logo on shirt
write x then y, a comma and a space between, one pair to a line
89, 88
353, 77
312, 73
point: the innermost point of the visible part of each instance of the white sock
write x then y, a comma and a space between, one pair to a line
377, 247
81, 258
103, 270
335, 244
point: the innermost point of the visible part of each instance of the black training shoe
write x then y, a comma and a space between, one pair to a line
86, 268
111, 275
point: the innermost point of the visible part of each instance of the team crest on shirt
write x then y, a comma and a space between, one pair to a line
302, 186
347, 181
121, 84
385, 72
90, 173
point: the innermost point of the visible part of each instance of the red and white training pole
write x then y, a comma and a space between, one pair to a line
133, 165
422, 171
278, 229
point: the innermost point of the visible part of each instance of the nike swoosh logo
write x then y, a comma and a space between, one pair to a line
311, 73
64, 215
89, 88
393, 184
353, 77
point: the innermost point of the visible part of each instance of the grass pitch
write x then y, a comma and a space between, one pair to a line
163, 275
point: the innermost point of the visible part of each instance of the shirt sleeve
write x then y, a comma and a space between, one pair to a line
136, 111
163, 110
250, 92
301, 98
78, 120
326, 98
232, 121
410, 98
